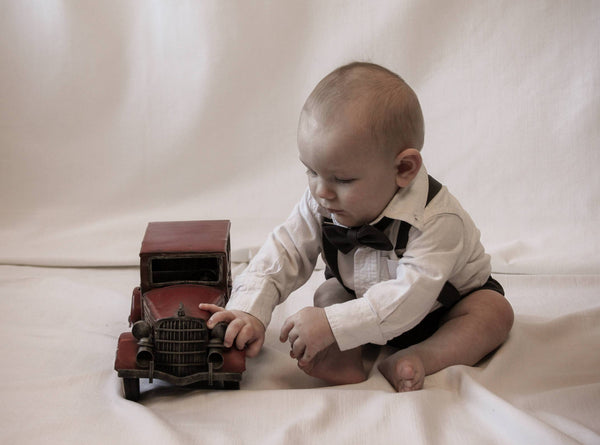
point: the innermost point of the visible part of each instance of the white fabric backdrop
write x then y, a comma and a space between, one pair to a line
115, 113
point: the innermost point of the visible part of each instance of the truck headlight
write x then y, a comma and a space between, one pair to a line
141, 329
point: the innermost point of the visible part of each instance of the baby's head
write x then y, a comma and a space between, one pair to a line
384, 104
360, 133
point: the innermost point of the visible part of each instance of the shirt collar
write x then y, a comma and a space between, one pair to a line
408, 204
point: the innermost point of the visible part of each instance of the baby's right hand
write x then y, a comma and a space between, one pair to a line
246, 330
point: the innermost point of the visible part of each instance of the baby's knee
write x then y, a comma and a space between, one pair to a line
489, 308
498, 312
505, 314
331, 292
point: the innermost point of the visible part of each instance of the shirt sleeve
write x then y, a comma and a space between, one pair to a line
392, 307
284, 263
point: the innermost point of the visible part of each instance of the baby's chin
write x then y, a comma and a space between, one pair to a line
349, 221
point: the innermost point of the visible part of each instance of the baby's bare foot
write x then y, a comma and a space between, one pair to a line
405, 372
336, 367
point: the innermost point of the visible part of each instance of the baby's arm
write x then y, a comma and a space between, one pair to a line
244, 329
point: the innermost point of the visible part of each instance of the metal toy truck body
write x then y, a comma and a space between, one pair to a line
182, 264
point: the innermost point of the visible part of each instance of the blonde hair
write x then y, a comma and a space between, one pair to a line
391, 108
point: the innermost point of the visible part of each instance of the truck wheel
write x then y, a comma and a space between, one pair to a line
231, 385
131, 388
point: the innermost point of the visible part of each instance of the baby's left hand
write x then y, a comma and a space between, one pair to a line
309, 333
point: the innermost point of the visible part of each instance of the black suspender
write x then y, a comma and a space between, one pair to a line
402, 238
449, 294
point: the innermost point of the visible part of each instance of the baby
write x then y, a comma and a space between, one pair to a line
405, 265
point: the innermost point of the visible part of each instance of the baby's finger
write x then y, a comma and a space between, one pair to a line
244, 337
254, 347
292, 337
212, 308
298, 349
232, 331
306, 358
218, 317
285, 330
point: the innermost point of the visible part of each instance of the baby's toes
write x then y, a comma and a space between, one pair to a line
409, 376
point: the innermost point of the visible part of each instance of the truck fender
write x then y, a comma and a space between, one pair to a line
126, 352
136, 306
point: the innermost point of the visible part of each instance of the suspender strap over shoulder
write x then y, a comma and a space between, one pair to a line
402, 238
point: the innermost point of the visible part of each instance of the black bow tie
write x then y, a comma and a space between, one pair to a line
345, 239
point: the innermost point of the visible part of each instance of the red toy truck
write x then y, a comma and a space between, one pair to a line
182, 264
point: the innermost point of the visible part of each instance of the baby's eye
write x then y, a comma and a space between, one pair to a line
345, 181
309, 172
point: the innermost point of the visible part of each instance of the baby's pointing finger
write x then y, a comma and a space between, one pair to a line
212, 308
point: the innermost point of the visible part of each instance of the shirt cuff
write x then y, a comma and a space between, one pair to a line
354, 323
254, 297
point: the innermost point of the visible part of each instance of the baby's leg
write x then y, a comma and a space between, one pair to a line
473, 328
332, 365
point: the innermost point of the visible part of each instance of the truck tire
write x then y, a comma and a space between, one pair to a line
131, 388
231, 385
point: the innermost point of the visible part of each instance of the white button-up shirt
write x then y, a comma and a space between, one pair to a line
393, 294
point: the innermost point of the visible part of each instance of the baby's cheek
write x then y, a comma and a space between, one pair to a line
312, 187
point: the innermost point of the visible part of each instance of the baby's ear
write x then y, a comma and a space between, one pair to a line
408, 163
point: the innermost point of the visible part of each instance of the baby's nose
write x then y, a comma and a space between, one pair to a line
324, 191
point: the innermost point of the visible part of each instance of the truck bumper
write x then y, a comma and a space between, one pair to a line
234, 365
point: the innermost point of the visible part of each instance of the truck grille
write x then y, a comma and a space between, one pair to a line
180, 346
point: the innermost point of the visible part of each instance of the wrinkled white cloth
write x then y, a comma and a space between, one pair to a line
59, 331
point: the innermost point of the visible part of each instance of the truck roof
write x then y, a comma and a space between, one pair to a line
186, 237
